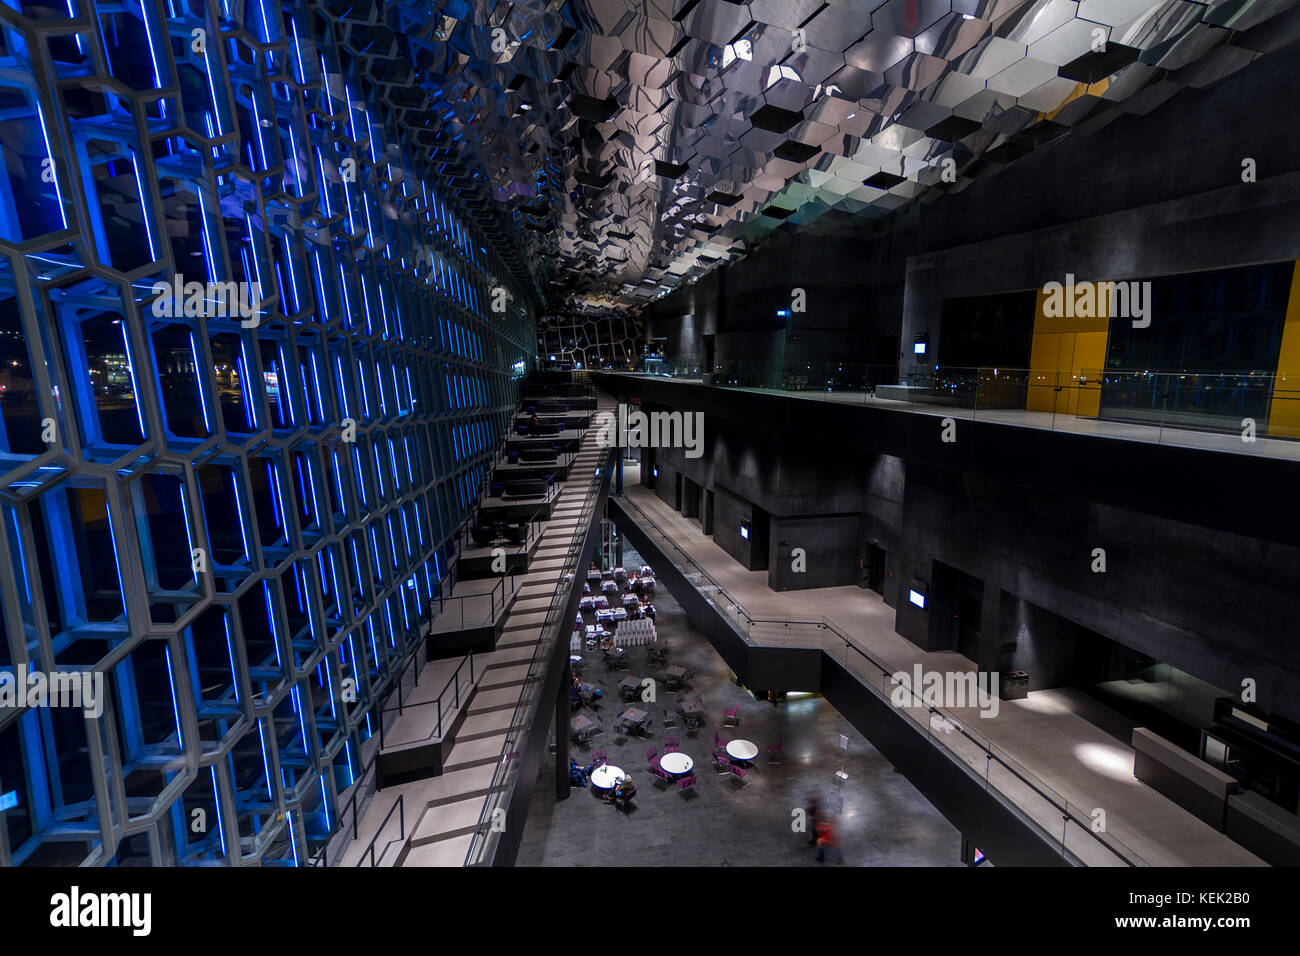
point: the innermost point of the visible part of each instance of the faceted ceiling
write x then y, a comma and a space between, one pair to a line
634, 144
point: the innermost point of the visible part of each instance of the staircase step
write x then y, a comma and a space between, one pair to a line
494, 700
503, 677
492, 724
447, 821
518, 622
468, 753
442, 853
532, 605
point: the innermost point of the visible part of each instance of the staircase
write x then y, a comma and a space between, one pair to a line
446, 809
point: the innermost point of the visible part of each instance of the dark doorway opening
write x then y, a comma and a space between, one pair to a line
677, 492
706, 512
956, 602
873, 572
690, 498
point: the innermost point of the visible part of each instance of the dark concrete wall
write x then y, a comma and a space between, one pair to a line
729, 510
1035, 640
831, 545
853, 295
1219, 605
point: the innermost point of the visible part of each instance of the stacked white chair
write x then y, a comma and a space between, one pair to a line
636, 633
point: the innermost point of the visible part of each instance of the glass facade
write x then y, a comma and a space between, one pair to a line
253, 364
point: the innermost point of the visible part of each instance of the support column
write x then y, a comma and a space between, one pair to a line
562, 734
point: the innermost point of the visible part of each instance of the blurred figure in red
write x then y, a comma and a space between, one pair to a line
828, 842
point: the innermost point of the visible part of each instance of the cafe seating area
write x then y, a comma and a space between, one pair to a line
699, 799
623, 708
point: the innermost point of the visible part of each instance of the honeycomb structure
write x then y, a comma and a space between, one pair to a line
256, 356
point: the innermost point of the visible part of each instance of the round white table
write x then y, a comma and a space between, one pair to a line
606, 777
676, 763
742, 750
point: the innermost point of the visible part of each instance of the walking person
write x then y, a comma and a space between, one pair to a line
828, 840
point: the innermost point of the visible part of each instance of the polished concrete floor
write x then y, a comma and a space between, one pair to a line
883, 820
1055, 737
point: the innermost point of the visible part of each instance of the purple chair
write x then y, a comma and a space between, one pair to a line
686, 783
661, 773
738, 772
672, 744
776, 751
598, 757
732, 718
721, 762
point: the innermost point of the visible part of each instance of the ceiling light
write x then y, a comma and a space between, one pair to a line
968, 16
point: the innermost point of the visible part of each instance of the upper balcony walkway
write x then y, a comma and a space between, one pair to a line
1055, 737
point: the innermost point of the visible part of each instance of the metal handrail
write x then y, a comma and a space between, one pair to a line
401, 824
698, 569
464, 540
453, 680
395, 686
442, 599
885, 672
540, 653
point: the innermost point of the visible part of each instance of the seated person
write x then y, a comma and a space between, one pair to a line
607, 642
586, 690
578, 775
623, 792
648, 610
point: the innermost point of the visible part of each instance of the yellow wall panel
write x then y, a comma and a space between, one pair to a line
1064, 348
1043, 359
1284, 409
1089, 360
